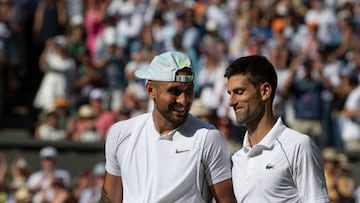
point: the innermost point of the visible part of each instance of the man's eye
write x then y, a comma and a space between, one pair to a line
178, 92
238, 92
175, 92
189, 91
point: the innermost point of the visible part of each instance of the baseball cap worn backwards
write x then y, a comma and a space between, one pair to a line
164, 67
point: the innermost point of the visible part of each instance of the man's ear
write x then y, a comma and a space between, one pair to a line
150, 89
265, 90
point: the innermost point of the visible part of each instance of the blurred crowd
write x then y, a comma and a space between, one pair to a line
21, 184
69, 64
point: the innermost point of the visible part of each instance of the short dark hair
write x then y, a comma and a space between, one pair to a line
259, 69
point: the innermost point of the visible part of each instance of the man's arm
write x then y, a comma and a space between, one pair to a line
112, 189
223, 192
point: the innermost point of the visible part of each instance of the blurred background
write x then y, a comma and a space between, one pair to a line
67, 74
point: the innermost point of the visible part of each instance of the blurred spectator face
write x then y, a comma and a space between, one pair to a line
48, 163
77, 33
53, 119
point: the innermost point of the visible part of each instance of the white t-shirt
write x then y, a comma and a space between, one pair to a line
46, 179
285, 166
351, 126
177, 167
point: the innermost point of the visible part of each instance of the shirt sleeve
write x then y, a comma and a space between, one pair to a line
216, 158
309, 173
112, 165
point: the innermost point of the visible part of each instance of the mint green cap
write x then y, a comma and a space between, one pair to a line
164, 67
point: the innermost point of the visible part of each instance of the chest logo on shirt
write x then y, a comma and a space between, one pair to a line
177, 151
269, 166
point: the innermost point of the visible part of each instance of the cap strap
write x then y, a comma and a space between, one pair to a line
184, 78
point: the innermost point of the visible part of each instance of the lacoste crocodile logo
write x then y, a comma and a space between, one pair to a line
269, 166
177, 151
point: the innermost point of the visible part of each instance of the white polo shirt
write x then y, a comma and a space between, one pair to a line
286, 166
177, 167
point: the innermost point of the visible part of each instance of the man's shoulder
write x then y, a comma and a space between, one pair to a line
122, 129
294, 139
132, 121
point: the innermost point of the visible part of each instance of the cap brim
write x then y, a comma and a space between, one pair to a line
142, 73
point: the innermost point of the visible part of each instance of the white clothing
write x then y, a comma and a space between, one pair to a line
45, 179
177, 167
50, 133
285, 166
357, 195
57, 81
351, 126
212, 84
326, 20
90, 195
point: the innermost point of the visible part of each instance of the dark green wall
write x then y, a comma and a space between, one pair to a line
73, 156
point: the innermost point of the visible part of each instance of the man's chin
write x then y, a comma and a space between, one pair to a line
180, 117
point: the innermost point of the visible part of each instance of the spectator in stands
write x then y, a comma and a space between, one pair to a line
340, 184
63, 108
225, 126
93, 14
98, 100
50, 20
280, 56
92, 193
23, 195
87, 78
60, 191
324, 17
12, 63
204, 113
20, 171
49, 129
122, 114
75, 38
349, 116
129, 22
93, 118
59, 74
110, 59
306, 90
84, 129
211, 69
331, 96
135, 101
41, 183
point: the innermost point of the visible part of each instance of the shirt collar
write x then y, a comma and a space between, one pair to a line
268, 141
169, 136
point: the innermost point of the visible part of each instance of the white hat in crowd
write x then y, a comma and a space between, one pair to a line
97, 93
164, 67
85, 111
99, 169
48, 152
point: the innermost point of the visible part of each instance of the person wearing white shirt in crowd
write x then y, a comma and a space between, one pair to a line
41, 182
